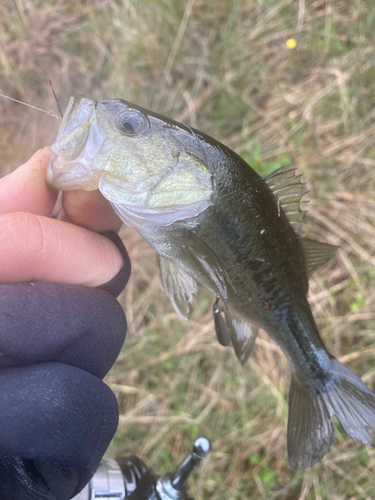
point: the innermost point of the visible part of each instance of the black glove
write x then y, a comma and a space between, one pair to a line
57, 417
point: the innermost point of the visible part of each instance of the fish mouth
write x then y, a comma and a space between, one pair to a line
67, 175
72, 162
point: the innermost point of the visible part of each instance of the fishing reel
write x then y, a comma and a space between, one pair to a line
129, 478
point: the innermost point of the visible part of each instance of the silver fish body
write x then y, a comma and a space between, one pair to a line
213, 220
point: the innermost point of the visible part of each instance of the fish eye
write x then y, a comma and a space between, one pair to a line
131, 122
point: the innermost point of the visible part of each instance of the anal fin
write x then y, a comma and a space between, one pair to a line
243, 334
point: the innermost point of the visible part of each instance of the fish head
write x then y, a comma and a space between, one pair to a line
142, 162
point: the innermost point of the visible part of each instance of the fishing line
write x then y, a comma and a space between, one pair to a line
50, 112
54, 95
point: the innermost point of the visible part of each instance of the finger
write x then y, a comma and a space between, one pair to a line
26, 190
33, 247
90, 209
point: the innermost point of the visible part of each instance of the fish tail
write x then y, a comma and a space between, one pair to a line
311, 408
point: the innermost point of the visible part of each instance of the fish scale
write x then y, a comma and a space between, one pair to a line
214, 221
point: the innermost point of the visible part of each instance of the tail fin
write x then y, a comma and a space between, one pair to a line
310, 427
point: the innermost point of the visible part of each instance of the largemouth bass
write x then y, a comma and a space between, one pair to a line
213, 220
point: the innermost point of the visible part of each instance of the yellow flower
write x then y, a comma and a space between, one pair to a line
291, 43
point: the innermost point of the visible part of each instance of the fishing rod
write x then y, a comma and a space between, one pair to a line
129, 478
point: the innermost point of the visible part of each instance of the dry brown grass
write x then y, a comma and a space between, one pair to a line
223, 66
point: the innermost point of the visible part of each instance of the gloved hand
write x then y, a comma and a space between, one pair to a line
61, 330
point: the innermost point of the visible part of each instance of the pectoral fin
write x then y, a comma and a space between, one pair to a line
209, 261
316, 254
177, 285
184, 257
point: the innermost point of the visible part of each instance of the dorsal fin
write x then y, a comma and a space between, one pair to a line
316, 254
285, 183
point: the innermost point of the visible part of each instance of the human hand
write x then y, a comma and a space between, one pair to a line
57, 337
35, 247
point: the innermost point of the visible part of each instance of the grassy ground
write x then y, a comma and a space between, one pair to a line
224, 67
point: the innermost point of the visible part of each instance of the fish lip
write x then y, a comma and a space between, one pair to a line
68, 172
49, 172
